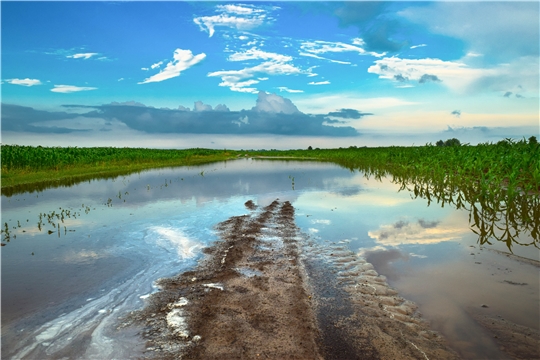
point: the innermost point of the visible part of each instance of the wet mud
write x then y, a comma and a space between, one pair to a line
265, 291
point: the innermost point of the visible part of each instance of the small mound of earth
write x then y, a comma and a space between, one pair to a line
263, 292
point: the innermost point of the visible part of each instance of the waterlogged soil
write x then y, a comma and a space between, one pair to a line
263, 292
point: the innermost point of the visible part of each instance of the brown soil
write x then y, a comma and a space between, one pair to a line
258, 294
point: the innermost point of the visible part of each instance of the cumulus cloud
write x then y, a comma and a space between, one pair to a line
507, 94
274, 104
239, 17
24, 82
70, 88
199, 106
221, 107
182, 60
400, 78
348, 114
272, 114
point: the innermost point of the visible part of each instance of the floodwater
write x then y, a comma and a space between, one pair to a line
80, 257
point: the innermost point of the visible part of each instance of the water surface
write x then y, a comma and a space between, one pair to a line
64, 286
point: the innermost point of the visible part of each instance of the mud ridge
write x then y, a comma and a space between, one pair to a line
265, 291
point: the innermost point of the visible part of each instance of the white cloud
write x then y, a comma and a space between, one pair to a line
256, 54
182, 60
417, 46
241, 80
241, 121
156, 65
82, 56
286, 89
240, 17
323, 58
24, 82
274, 103
238, 9
145, 69
121, 79
200, 106
459, 76
323, 47
70, 88
319, 83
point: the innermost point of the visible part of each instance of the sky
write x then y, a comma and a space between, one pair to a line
268, 75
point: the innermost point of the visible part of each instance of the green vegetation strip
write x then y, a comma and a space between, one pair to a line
26, 165
499, 184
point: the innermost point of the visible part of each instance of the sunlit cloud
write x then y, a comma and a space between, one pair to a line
286, 89
24, 82
323, 47
82, 56
239, 17
182, 60
326, 82
70, 88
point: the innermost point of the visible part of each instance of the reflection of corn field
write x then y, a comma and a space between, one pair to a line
55, 158
498, 183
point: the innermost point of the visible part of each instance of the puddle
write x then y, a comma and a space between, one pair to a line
69, 287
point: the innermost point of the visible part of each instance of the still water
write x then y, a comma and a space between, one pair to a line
80, 257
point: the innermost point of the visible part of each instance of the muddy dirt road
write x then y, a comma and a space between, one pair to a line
264, 292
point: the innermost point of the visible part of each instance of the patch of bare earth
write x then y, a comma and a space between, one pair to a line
257, 294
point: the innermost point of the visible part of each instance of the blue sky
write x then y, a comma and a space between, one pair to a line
268, 75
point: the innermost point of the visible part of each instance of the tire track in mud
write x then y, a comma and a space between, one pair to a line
266, 291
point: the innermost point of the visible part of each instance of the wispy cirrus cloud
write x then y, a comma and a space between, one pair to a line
319, 83
182, 60
243, 79
239, 17
65, 89
24, 82
257, 54
323, 47
82, 56
286, 89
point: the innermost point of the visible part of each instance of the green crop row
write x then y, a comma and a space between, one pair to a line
16, 157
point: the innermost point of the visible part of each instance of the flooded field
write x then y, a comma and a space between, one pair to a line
81, 258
